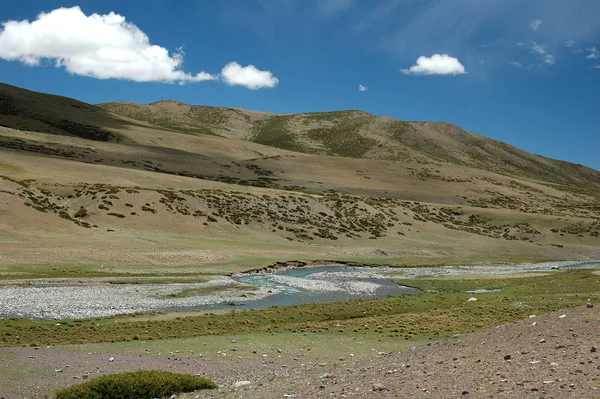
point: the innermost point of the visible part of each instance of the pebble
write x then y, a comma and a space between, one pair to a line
379, 387
240, 384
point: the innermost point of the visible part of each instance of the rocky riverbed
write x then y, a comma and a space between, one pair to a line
100, 297
97, 297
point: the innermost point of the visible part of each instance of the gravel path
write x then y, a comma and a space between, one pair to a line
549, 356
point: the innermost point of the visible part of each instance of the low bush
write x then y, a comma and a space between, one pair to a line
136, 385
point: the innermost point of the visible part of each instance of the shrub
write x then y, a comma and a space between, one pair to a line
81, 213
118, 215
136, 385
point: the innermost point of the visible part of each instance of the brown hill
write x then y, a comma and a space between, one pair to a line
360, 135
260, 188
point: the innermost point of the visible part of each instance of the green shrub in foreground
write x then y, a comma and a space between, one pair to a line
136, 385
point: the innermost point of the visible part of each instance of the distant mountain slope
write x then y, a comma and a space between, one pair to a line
27, 110
358, 134
187, 118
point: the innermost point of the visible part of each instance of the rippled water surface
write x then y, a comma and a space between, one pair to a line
319, 284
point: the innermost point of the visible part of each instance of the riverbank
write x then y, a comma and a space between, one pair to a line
77, 298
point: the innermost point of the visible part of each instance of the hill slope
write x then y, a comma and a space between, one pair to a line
263, 188
360, 135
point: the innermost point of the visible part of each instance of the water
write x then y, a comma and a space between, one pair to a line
318, 284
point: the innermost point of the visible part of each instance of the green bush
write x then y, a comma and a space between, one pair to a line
136, 385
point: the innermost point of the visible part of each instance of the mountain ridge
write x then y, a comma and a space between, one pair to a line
355, 133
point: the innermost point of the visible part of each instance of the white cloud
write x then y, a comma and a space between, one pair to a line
535, 24
516, 64
594, 53
437, 64
549, 59
541, 50
99, 46
249, 76
538, 48
570, 43
362, 88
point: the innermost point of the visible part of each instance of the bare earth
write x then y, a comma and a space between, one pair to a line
549, 356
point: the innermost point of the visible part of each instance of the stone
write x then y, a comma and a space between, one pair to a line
379, 387
240, 384
111, 359
507, 357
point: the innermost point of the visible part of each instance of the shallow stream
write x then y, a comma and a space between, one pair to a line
319, 284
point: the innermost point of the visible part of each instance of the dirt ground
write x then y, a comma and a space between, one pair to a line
547, 356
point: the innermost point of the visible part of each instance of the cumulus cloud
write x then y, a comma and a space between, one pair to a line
362, 88
570, 43
516, 64
594, 53
535, 24
249, 76
100, 46
437, 64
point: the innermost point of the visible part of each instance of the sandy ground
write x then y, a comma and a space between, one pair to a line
549, 356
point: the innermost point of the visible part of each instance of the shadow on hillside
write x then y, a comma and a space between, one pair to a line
26, 110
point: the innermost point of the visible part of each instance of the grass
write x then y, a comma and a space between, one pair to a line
136, 385
159, 276
343, 137
441, 311
274, 132
311, 347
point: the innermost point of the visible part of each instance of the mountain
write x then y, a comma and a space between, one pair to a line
123, 187
360, 135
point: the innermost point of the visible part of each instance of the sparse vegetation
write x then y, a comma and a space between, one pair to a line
441, 311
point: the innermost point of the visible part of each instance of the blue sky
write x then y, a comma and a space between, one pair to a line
526, 72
